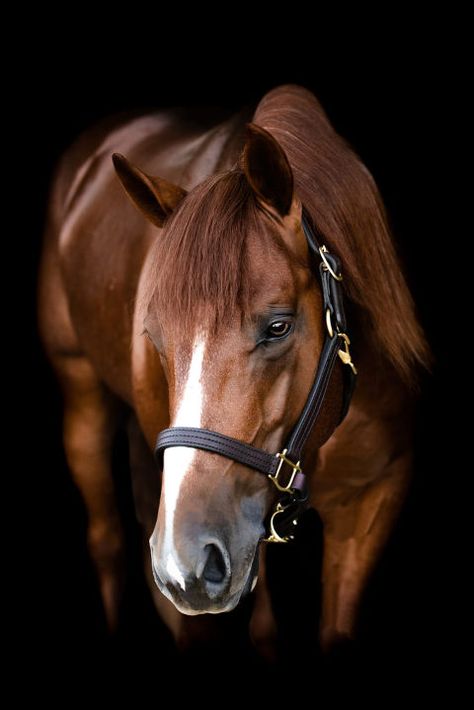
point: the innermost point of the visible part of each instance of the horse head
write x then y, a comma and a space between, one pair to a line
230, 305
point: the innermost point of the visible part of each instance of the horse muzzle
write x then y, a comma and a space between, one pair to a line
209, 587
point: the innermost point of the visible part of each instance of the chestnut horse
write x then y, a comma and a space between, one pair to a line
202, 309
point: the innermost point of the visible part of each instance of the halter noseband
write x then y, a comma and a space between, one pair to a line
283, 468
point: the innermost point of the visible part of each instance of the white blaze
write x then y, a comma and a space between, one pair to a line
178, 459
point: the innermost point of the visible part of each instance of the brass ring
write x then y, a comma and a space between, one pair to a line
327, 265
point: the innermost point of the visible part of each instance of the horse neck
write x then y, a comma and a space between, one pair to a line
218, 151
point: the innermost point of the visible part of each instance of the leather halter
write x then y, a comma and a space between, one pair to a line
283, 468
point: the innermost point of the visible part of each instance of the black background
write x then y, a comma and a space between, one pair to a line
391, 100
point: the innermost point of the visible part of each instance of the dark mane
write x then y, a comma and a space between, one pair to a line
202, 256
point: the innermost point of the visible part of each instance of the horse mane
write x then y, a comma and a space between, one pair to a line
198, 266
201, 258
346, 209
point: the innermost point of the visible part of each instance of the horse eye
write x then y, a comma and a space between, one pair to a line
277, 330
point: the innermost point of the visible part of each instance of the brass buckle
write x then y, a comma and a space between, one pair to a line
345, 354
274, 536
296, 469
327, 266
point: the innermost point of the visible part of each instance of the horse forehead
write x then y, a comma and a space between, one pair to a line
194, 352
273, 280
270, 269
206, 346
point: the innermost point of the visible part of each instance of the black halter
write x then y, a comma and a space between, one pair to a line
283, 468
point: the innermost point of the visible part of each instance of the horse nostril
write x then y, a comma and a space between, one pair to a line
215, 568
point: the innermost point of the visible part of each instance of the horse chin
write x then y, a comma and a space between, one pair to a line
188, 611
186, 608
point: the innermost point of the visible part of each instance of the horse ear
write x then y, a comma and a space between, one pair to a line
267, 169
154, 196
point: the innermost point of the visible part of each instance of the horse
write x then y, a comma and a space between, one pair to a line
177, 289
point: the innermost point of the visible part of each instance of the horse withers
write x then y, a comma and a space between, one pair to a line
202, 309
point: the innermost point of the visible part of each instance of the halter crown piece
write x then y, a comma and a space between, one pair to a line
283, 468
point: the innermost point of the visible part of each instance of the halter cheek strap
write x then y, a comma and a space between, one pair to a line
283, 468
